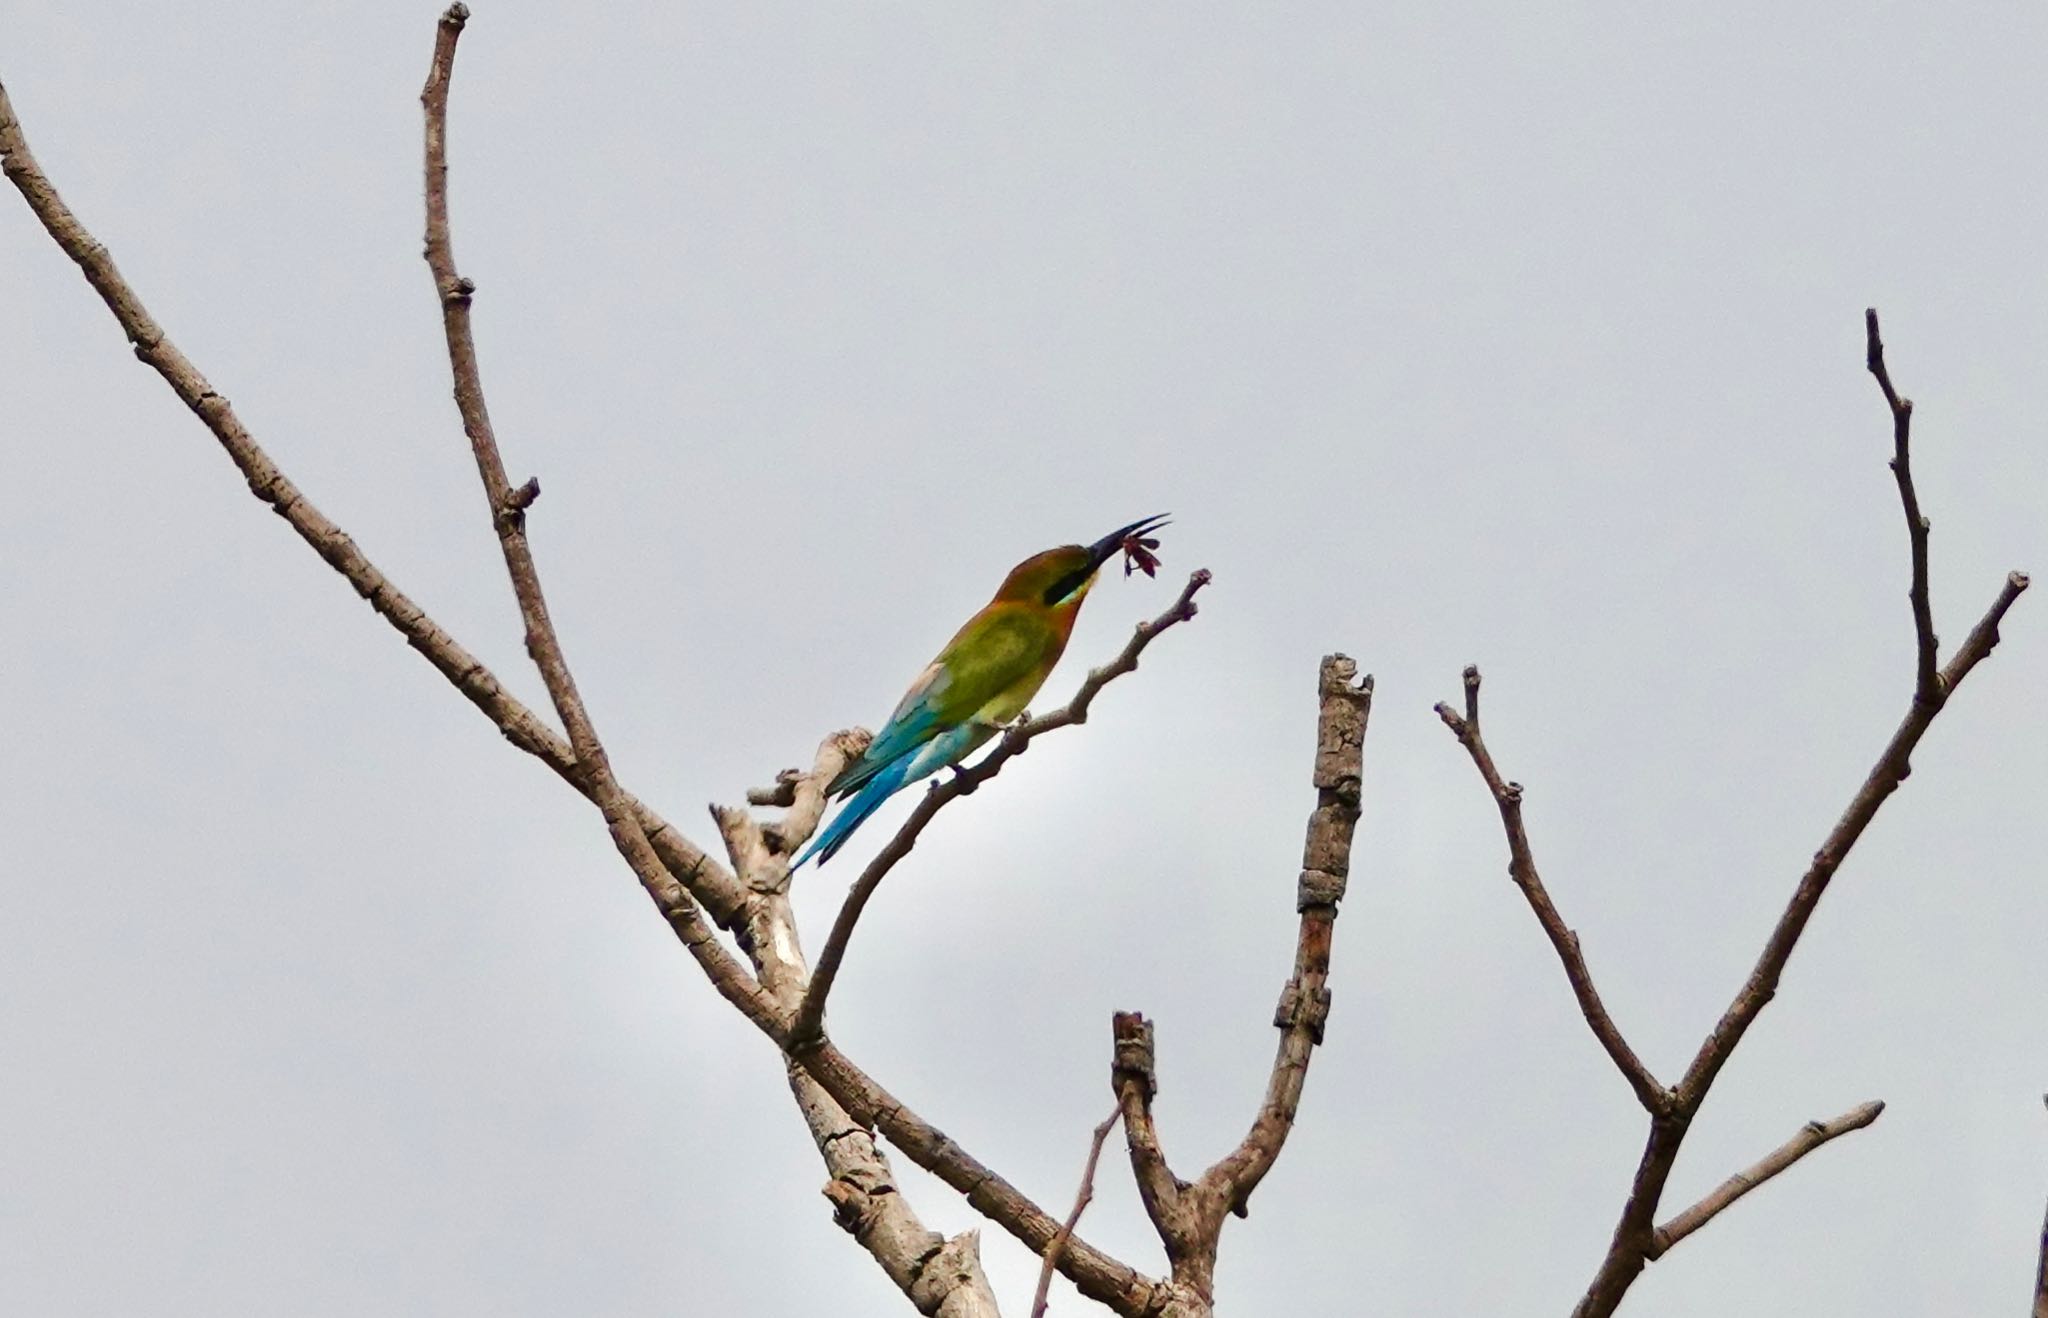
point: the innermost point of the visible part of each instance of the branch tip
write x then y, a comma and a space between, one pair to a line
1809, 1137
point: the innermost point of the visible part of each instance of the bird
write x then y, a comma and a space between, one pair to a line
981, 680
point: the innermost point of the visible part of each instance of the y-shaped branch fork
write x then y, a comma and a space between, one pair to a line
1189, 1216
1637, 1238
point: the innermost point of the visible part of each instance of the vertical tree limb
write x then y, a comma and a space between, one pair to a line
1134, 1078
508, 514
1325, 870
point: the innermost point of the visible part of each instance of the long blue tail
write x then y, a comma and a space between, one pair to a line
854, 813
948, 747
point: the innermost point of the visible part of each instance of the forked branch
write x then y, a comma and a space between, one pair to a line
591, 769
1636, 1240
1189, 1217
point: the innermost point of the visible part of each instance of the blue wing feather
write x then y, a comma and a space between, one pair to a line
915, 721
936, 723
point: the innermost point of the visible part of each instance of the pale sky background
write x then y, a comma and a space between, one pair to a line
1529, 335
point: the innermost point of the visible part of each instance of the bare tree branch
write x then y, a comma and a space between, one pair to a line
1931, 689
938, 1275
1637, 1240
1810, 1137
1082, 1199
591, 769
706, 880
469, 675
1135, 1079
1189, 1217
1926, 688
838, 1099
1325, 871
810, 1018
1094, 1273
1522, 869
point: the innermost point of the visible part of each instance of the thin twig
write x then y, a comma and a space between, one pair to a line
1507, 797
810, 1017
1926, 685
508, 515
1081, 1202
1810, 1137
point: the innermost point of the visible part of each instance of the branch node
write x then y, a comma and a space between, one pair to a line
1318, 888
1299, 1008
783, 794
519, 500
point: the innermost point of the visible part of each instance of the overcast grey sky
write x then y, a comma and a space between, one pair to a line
1528, 335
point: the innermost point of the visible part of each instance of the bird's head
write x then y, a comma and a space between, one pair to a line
1062, 576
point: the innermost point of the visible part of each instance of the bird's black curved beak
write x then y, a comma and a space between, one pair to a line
1107, 547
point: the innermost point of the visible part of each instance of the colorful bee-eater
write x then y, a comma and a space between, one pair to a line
981, 680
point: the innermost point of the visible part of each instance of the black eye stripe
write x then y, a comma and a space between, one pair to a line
1064, 587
